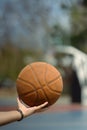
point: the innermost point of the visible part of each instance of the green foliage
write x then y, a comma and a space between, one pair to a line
79, 27
13, 59
79, 41
59, 36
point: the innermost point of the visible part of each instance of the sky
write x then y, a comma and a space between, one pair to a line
27, 23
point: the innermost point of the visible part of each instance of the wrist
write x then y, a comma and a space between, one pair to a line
21, 113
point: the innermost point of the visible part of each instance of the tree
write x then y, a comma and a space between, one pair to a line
84, 3
79, 27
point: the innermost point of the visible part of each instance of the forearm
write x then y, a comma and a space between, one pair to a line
10, 116
20, 113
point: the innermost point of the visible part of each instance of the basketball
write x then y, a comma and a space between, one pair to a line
39, 82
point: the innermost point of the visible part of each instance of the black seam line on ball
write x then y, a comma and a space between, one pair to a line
34, 87
36, 77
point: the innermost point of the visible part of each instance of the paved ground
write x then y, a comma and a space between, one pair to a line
61, 116
67, 117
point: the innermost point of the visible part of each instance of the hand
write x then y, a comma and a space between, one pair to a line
27, 111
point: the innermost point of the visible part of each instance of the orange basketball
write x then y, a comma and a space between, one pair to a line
39, 82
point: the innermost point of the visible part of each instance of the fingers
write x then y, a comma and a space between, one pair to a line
41, 106
35, 108
18, 100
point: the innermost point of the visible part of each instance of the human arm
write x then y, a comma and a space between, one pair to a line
15, 115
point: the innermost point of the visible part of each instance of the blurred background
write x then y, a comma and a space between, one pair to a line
53, 31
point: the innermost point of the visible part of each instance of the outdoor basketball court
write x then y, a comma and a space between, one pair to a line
58, 117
